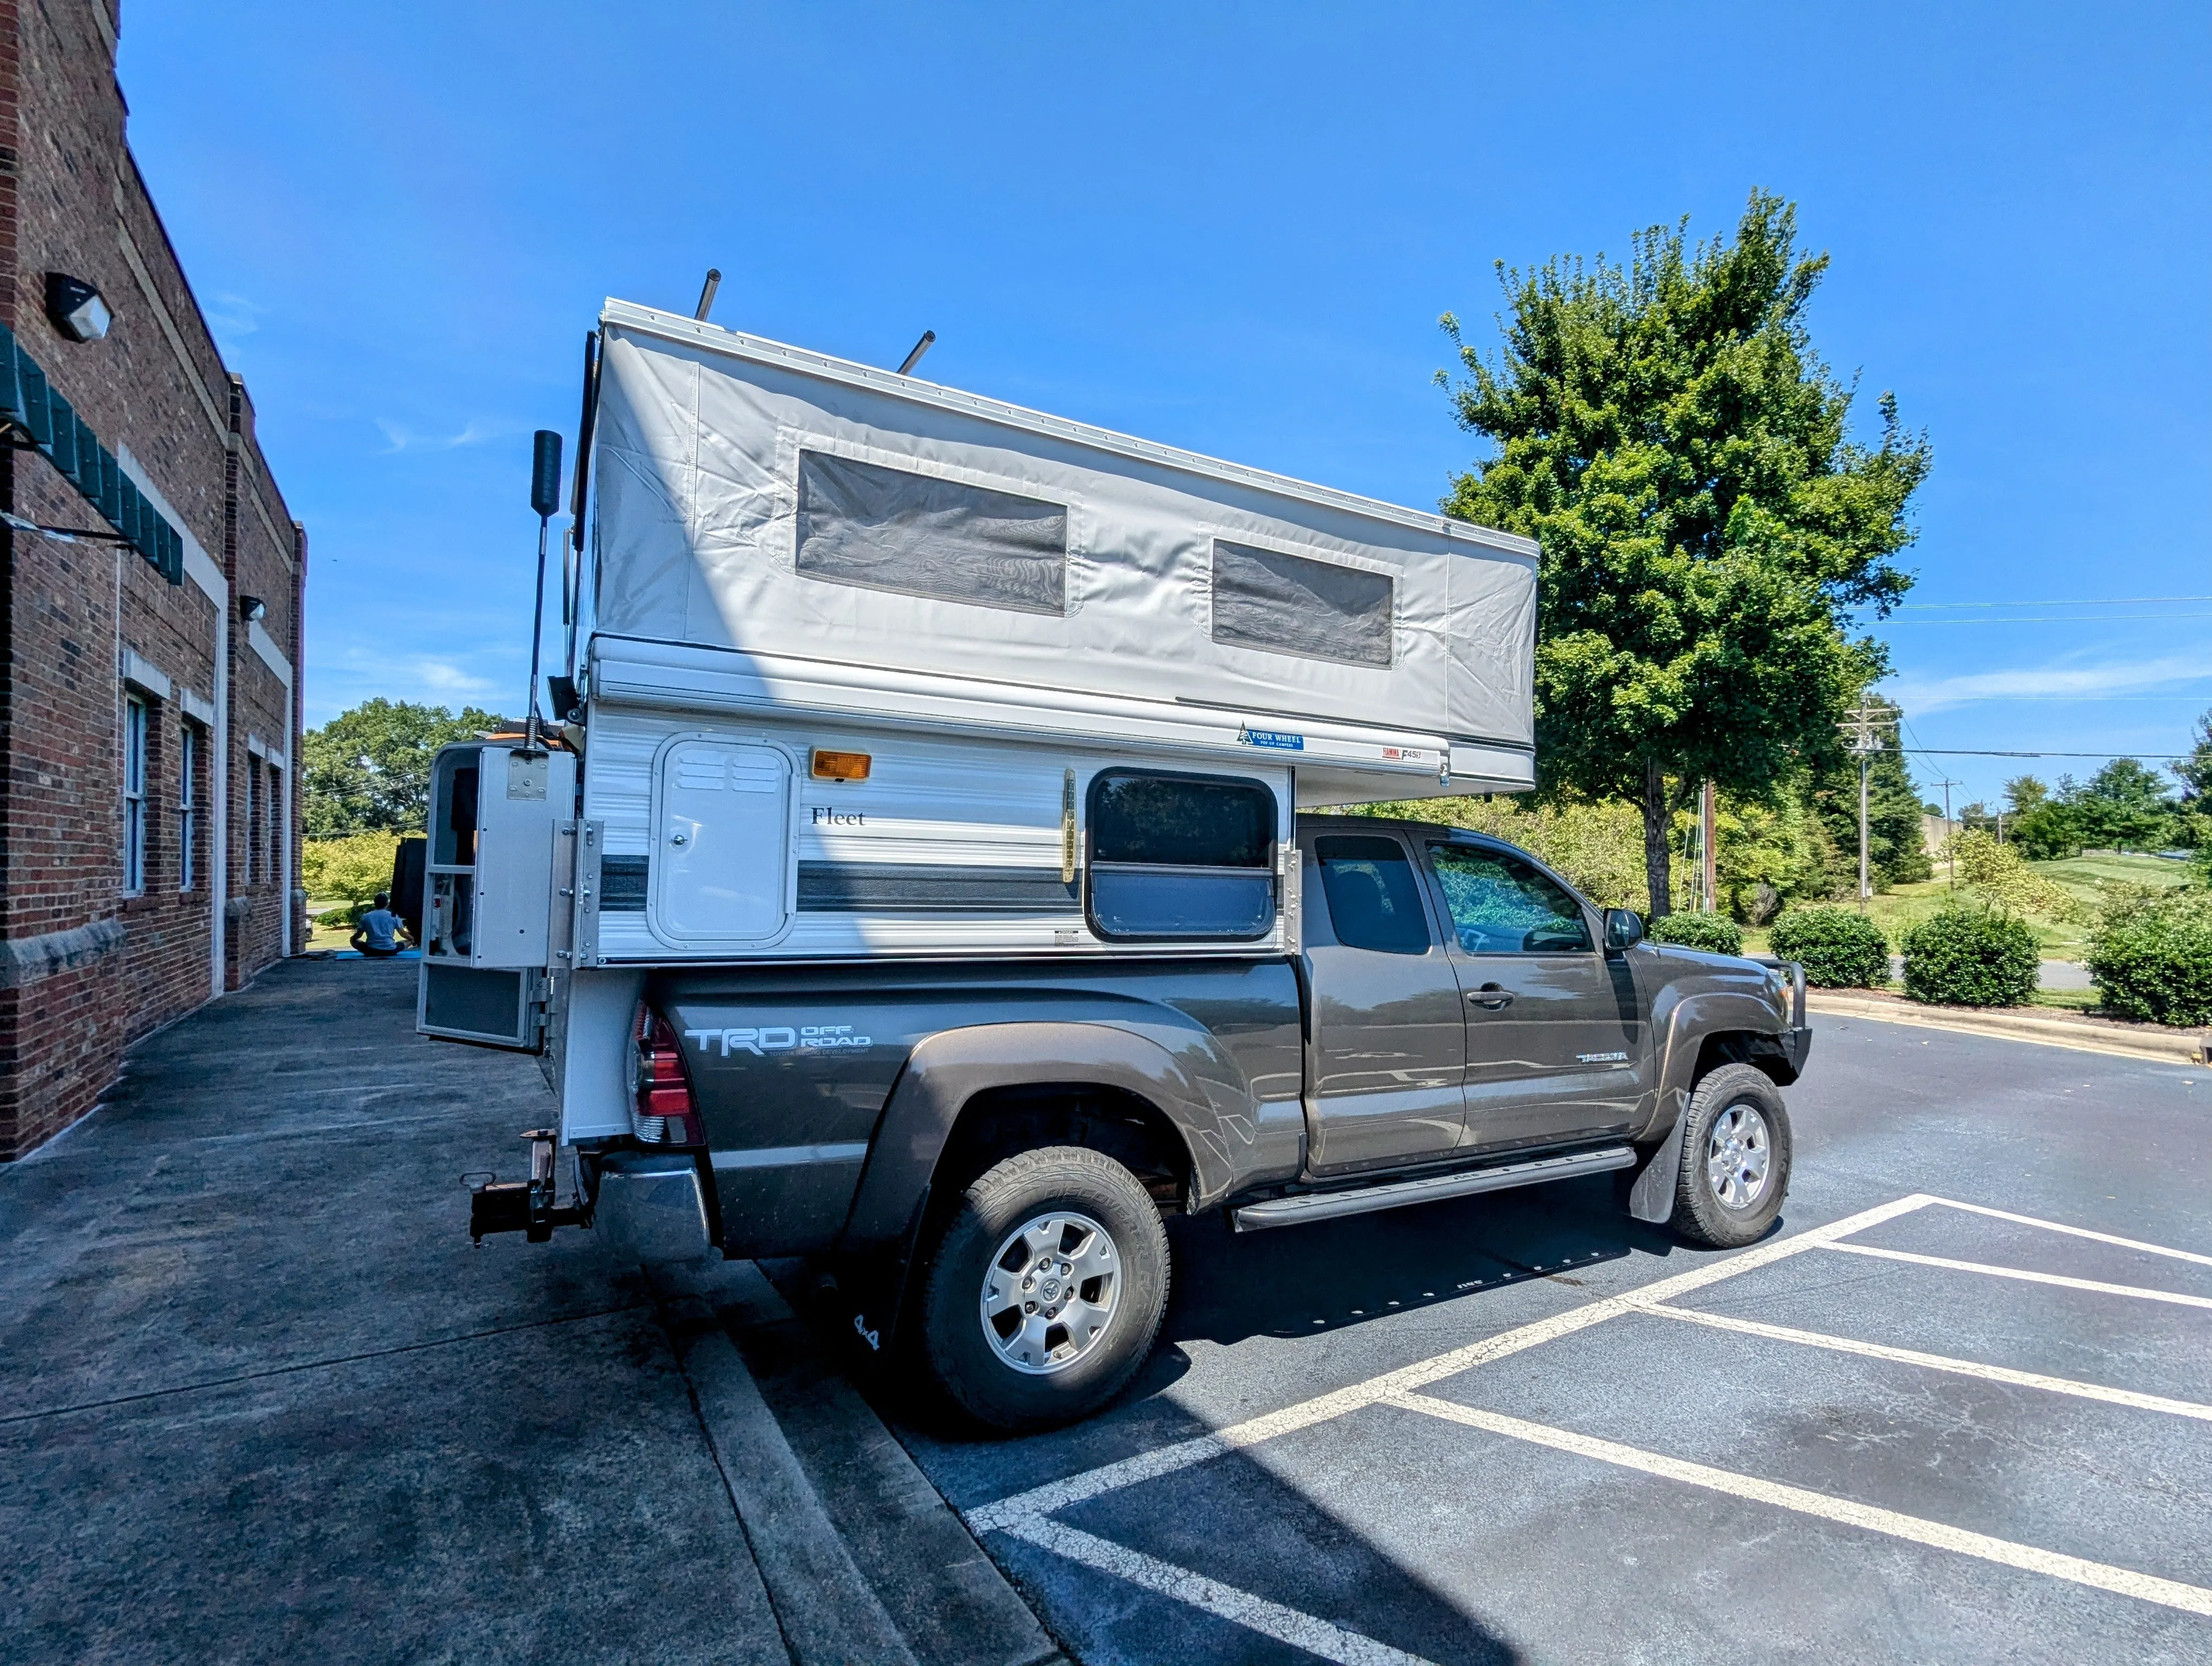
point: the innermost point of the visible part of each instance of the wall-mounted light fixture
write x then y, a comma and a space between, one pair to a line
77, 309
252, 609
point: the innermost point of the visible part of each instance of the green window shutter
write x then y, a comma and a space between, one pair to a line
31, 382
61, 435
110, 501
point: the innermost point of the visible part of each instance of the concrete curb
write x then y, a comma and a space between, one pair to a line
828, 1611
2081, 1034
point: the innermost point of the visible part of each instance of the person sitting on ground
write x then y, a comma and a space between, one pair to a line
378, 933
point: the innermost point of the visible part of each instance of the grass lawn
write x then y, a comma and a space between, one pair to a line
1897, 909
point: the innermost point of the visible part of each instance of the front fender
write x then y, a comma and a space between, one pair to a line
1716, 999
1182, 1073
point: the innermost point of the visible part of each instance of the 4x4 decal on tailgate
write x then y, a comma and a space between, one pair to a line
760, 1040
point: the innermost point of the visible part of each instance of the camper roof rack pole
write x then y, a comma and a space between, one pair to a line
573, 583
706, 293
544, 497
919, 348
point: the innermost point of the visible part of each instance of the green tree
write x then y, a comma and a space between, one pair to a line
2195, 771
2123, 806
2024, 793
1666, 432
368, 770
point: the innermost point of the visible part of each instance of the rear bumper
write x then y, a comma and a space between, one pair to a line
652, 1206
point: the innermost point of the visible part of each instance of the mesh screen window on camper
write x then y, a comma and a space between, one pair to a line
888, 529
1181, 856
1288, 604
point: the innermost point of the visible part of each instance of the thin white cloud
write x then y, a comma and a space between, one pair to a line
399, 437
233, 316
1922, 695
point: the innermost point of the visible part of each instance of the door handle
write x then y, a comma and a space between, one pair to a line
1492, 997
679, 838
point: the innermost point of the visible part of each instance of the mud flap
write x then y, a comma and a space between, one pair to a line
1652, 1197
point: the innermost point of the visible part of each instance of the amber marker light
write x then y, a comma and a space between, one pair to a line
841, 766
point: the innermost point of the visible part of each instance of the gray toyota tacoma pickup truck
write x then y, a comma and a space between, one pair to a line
987, 1149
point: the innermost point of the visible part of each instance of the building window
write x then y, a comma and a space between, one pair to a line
1180, 856
134, 796
272, 826
188, 808
252, 818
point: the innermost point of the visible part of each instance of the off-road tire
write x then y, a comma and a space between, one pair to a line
1702, 1215
1017, 1189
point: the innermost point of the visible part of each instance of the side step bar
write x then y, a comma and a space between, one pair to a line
1327, 1205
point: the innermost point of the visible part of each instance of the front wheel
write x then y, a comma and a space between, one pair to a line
1047, 1288
1735, 1159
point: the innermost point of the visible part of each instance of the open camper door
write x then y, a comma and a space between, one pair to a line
503, 833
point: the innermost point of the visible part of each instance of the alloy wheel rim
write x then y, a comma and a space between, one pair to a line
1051, 1292
1739, 1156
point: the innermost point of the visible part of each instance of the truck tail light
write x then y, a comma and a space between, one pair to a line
664, 1113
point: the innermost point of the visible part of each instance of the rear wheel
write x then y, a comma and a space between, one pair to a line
1047, 1288
1735, 1159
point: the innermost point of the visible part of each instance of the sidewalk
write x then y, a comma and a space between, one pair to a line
260, 1400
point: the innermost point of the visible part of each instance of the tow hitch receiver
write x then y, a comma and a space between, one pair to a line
526, 1206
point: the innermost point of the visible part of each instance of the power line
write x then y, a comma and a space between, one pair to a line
2057, 618
1969, 751
2078, 601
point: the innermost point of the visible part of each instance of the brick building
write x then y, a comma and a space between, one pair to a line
150, 622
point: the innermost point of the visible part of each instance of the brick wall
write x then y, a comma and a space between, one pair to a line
87, 625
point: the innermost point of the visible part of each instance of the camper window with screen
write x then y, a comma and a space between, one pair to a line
1180, 856
889, 529
1286, 603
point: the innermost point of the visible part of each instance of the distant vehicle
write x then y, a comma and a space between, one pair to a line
919, 877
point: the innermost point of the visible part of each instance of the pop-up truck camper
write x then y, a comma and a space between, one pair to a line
919, 871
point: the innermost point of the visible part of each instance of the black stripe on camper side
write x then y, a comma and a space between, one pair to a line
932, 888
622, 884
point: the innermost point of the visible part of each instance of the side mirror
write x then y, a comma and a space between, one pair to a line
1623, 928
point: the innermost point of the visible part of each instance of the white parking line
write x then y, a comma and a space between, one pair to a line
1300, 1630
2096, 1286
2075, 1232
2022, 1379
1058, 1495
2170, 1593
1026, 1515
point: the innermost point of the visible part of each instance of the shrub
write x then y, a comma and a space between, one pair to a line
351, 870
1715, 933
1997, 872
2151, 957
1965, 956
1839, 948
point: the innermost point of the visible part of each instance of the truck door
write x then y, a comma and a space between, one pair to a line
1389, 1044
1555, 1041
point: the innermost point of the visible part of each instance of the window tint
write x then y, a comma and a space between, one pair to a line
1374, 900
889, 529
1294, 605
1189, 856
1181, 821
1501, 905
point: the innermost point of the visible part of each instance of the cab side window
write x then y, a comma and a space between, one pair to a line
1374, 896
1500, 904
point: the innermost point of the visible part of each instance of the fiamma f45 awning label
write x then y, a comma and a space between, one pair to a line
762, 1039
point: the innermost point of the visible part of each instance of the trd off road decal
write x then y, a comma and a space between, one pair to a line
761, 1040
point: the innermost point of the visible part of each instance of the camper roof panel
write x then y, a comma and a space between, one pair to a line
758, 498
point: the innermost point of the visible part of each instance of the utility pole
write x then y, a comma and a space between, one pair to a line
1859, 723
1950, 834
1712, 877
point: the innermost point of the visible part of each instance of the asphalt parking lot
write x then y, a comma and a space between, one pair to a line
1959, 1408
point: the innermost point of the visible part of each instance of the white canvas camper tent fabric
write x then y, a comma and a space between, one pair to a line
755, 497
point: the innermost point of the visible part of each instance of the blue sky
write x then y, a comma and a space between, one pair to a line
1225, 228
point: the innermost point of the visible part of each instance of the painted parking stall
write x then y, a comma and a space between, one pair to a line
1539, 1387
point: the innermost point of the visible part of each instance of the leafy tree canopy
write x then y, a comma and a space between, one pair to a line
368, 770
1666, 432
2195, 771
